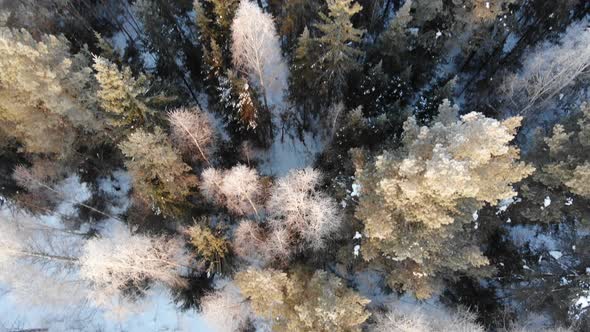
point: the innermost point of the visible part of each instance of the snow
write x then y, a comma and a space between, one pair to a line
357, 249
510, 43
288, 152
569, 201
66, 306
475, 215
555, 254
156, 313
357, 235
505, 203
537, 240
583, 302
73, 192
356, 190
547, 201
116, 188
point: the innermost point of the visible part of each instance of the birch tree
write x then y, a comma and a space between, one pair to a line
121, 260
549, 70
256, 51
239, 189
192, 132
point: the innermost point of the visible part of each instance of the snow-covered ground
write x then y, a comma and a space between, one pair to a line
30, 300
157, 312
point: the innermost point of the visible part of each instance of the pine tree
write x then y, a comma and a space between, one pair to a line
394, 43
562, 166
224, 12
47, 95
338, 47
302, 301
292, 17
160, 178
379, 93
170, 36
211, 247
417, 201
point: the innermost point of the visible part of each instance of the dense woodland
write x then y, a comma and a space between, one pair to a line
296, 165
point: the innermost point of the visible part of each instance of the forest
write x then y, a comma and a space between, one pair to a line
295, 165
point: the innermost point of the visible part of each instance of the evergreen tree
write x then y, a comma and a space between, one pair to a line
160, 179
338, 47
120, 94
170, 37
417, 201
301, 301
47, 93
562, 166
213, 248
304, 74
379, 93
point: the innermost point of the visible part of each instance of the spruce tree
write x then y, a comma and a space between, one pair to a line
338, 47
161, 180
120, 95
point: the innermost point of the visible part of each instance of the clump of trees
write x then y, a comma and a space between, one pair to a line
139, 142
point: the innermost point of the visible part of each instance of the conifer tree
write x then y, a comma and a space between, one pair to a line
120, 94
160, 178
47, 94
394, 42
338, 47
302, 301
224, 12
304, 74
561, 178
417, 201
211, 247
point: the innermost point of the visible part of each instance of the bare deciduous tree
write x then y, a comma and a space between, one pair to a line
225, 310
255, 48
248, 240
407, 317
122, 259
549, 70
238, 188
298, 206
191, 130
